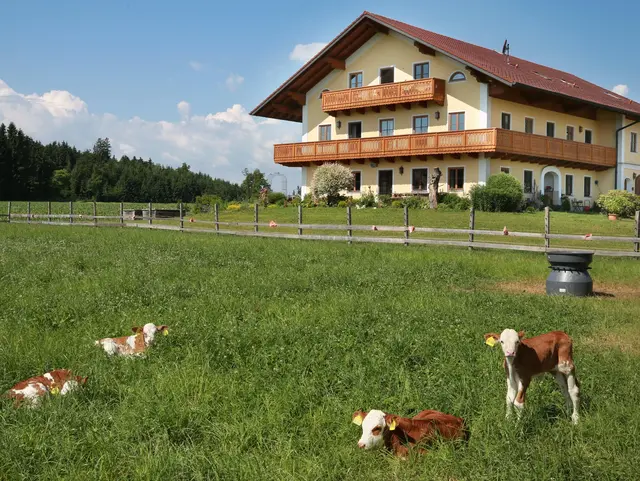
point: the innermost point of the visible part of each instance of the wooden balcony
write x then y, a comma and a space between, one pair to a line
496, 143
386, 95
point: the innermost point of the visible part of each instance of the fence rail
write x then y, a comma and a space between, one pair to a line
78, 220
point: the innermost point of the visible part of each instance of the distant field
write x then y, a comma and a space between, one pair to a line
274, 343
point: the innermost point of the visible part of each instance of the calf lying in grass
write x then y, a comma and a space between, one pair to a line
31, 391
134, 345
525, 358
398, 434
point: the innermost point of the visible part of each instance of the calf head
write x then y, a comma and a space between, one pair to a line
149, 331
509, 341
374, 423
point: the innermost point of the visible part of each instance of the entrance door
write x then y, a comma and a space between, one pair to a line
637, 189
355, 130
385, 182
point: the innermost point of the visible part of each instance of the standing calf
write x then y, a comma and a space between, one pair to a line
31, 391
134, 345
394, 432
524, 358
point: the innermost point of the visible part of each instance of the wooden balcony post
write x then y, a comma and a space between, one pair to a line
547, 227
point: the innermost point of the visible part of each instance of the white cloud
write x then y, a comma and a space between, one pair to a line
303, 52
197, 66
220, 144
234, 81
621, 90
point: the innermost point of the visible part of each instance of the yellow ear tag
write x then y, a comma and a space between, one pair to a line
357, 420
392, 425
166, 332
55, 391
490, 342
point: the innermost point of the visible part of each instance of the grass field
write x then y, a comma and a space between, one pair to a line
274, 343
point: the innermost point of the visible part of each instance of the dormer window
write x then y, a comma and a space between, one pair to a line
457, 77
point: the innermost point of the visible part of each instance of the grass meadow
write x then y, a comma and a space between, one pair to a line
274, 343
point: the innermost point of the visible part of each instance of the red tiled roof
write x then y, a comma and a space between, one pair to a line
517, 71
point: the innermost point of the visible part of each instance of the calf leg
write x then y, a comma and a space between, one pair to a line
574, 392
562, 382
511, 395
523, 384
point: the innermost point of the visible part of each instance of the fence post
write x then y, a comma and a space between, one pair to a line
255, 217
29, 212
71, 212
472, 225
49, 211
547, 227
9, 212
216, 216
636, 246
181, 218
121, 213
349, 231
300, 219
95, 214
150, 216
406, 225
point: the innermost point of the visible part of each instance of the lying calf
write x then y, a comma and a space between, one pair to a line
396, 433
34, 389
135, 345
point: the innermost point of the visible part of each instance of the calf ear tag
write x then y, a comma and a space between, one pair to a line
55, 390
392, 425
490, 342
165, 332
357, 420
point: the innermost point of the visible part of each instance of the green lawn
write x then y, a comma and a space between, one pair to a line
274, 343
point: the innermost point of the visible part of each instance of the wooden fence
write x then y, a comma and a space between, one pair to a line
122, 220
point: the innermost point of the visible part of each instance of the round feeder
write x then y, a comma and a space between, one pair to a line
569, 274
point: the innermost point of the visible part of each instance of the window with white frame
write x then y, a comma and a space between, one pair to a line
528, 181
634, 142
551, 129
355, 80
456, 121
587, 186
420, 124
505, 170
419, 180
421, 70
455, 178
357, 181
325, 132
506, 121
528, 125
568, 184
386, 127
588, 136
570, 132
457, 77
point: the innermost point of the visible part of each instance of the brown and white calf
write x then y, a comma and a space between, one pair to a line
525, 358
134, 345
398, 434
31, 391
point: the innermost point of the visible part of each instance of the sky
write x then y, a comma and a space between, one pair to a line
175, 81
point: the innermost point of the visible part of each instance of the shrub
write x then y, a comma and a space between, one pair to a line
502, 193
204, 203
329, 180
272, 206
413, 202
619, 202
397, 204
565, 203
234, 206
343, 204
275, 197
454, 202
367, 200
384, 200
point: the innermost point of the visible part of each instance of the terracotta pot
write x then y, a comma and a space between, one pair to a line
613, 217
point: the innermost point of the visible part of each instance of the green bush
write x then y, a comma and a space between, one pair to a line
343, 204
502, 193
274, 197
453, 202
384, 200
619, 202
204, 203
413, 202
397, 204
565, 203
329, 180
367, 200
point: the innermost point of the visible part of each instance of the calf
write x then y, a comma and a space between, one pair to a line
134, 345
395, 433
524, 358
34, 389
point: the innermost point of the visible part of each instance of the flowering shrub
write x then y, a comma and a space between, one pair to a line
329, 180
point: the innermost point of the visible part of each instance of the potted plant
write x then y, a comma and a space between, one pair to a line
619, 203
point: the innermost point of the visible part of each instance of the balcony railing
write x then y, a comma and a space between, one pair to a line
517, 145
424, 90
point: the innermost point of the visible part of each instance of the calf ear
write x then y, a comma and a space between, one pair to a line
390, 421
493, 335
357, 417
520, 334
136, 330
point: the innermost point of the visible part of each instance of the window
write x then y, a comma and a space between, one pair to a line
570, 131
421, 70
420, 124
386, 127
587, 186
456, 121
355, 80
568, 184
325, 132
386, 75
528, 125
551, 129
357, 181
588, 136
505, 170
528, 181
634, 142
506, 121
419, 180
457, 77
456, 178
355, 130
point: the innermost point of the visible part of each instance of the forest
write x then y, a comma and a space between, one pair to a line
58, 171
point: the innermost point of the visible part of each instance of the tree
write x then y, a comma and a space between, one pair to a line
433, 191
253, 182
102, 149
331, 179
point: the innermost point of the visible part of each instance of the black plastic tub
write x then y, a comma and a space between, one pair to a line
569, 274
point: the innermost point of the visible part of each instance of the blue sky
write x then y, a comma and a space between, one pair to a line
107, 64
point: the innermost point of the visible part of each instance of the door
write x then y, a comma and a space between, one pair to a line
385, 182
637, 189
355, 130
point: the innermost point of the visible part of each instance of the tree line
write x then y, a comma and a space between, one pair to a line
57, 171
